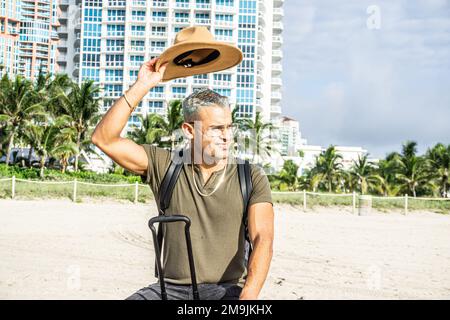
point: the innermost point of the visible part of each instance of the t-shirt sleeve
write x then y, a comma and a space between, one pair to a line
158, 162
261, 187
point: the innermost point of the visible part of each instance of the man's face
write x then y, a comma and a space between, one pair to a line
214, 129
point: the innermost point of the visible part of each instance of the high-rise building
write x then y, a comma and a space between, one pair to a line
28, 36
9, 36
38, 37
289, 136
69, 35
117, 36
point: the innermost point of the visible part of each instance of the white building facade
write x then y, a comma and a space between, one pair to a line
115, 37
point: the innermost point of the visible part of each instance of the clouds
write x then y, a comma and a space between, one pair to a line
350, 85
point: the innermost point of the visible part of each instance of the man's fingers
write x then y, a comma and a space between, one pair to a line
162, 68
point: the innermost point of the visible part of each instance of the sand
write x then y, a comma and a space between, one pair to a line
56, 249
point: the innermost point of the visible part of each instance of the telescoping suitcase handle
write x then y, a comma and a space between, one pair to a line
168, 219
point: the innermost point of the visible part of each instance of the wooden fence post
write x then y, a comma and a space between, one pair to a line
136, 190
354, 203
406, 203
13, 187
74, 197
304, 200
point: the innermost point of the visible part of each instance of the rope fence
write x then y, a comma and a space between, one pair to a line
75, 186
361, 204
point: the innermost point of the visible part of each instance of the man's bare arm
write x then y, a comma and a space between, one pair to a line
106, 136
260, 228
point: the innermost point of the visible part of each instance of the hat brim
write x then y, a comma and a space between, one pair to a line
229, 57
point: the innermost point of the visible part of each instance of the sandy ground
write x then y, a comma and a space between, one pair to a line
64, 250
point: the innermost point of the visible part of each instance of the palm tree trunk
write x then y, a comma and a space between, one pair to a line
10, 145
29, 155
444, 194
41, 172
64, 164
77, 155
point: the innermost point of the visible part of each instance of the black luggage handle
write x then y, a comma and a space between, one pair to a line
169, 219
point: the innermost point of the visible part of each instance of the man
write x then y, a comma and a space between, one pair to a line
207, 191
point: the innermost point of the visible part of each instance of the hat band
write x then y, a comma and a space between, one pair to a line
183, 60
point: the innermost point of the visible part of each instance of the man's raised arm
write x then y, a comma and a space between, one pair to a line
106, 136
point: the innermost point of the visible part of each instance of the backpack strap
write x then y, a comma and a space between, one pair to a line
165, 194
245, 182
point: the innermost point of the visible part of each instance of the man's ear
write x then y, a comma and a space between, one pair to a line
188, 130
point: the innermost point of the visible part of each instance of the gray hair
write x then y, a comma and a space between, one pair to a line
199, 99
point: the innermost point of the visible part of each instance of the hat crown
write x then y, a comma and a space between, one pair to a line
194, 34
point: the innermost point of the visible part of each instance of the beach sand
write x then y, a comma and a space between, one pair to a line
56, 249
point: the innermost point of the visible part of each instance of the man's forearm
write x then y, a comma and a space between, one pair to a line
258, 268
115, 119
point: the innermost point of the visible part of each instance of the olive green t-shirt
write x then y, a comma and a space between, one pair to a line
217, 232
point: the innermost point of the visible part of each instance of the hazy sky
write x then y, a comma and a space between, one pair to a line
374, 79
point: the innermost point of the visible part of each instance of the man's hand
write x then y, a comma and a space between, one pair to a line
148, 76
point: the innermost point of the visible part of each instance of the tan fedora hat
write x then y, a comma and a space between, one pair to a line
195, 51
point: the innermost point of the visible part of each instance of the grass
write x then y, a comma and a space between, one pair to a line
381, 204
145, 195
51, 191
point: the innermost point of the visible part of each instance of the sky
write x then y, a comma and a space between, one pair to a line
372, 74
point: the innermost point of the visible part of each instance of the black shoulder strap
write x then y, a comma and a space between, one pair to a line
245, 182
165, 194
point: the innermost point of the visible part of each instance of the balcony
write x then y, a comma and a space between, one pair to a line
113, 94
200, 81
278, 14
139, 3
114, 34
182, 5
138, 34
156, 49
278, 26
115, 49
202, 21
222, 83
180, 81
157, 95
275, 109
114, 63
277, 68
224, 23
137, 48
159, 19
277, 54
203, 6
160, 4
277, 82
178, 95
116, 19
138, 19
180, 20
159, 34
228, 9
277, 39
223, 38
276, 95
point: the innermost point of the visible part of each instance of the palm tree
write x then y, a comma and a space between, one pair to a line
152, 130
19, 104
386, 170
260, 136
363, 171
289, 175
160, 130
328, 168
174, 120
439, 157
81, 104
65, 146
413, 171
